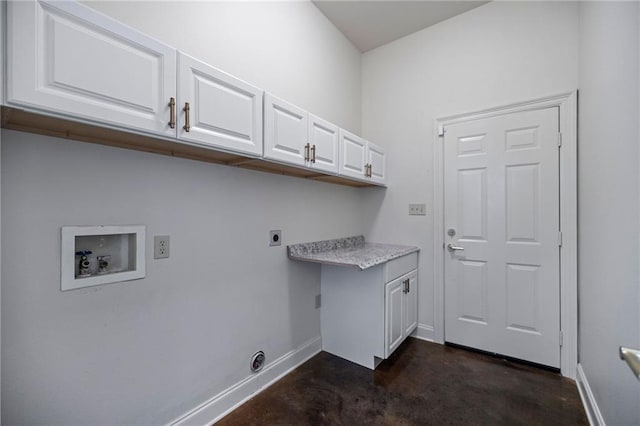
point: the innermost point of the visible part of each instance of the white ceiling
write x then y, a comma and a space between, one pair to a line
372, 23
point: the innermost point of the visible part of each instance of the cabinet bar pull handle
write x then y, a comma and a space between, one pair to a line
408, 285
306, 152
313, 154
186, 110
172, 113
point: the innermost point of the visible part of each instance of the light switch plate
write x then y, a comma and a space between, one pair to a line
417, 209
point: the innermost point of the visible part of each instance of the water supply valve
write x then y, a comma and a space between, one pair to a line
84, 264
103, 264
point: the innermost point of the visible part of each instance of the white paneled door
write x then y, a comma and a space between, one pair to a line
502, 242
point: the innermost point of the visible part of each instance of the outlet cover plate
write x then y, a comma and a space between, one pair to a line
160, 246
417, 209
275, 238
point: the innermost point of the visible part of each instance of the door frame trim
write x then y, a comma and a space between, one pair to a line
567, 104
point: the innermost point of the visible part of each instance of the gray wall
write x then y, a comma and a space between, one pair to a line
608, 162
147, 351
286, 47
496, 54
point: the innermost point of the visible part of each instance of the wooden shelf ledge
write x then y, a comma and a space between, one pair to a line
31, 122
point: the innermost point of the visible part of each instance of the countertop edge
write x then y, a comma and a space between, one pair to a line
360, 265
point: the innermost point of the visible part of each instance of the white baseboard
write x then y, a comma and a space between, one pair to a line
226, 401
588, 400
423, 332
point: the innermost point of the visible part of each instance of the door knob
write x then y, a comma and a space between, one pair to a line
453, 248
632, 358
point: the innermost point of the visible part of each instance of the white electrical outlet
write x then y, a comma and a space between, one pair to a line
160, 246
417, 209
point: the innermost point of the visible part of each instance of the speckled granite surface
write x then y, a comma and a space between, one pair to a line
350, 251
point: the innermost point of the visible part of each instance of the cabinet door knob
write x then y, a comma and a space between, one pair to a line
172, 113
186, 110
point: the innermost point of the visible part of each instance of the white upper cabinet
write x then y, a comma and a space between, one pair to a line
361, 159
353, 158
324, 141
222, 111
67, 58
376, 159
297, 137
285, 131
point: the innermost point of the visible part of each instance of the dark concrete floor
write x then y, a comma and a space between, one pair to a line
421, 384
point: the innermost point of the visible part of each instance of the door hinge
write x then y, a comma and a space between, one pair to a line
561, 338
559, 238
559, 139
441, 130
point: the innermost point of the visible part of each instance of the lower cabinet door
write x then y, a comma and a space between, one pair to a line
411, 304
394, 330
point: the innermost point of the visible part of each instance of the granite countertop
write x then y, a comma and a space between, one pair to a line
350, 251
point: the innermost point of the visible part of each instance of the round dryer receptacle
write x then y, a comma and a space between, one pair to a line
257, 361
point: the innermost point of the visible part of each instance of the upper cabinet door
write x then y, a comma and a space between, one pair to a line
285, 131
67, 58
324, 138
352, 155
377, 163
224, 112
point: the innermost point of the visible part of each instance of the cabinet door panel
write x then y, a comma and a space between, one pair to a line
394, 304
411, 304
67, 58
352, 155
326, 139
285, 131
225, 112
377, 159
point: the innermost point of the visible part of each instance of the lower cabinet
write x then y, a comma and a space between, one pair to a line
366, 315
401, 310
